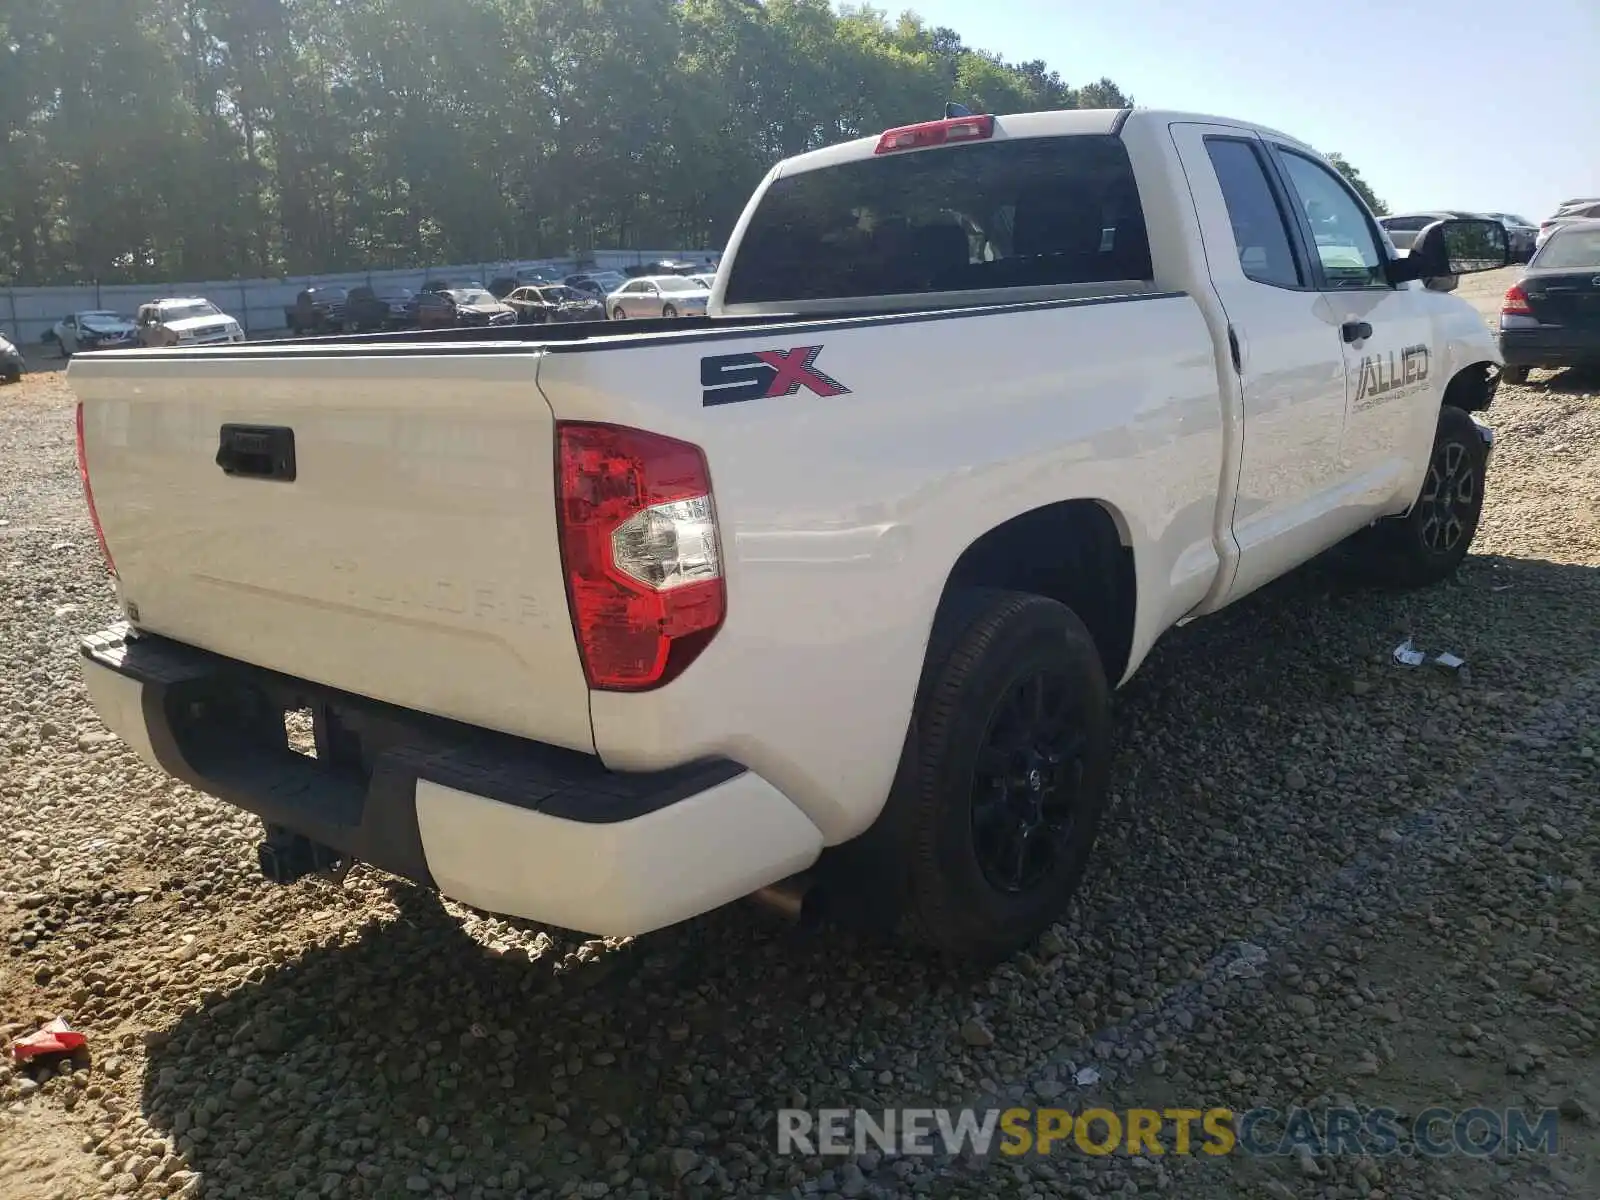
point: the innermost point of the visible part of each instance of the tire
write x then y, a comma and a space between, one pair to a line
987, 865
10, 374
668, 311
617, 314
1428, 543
1514, 375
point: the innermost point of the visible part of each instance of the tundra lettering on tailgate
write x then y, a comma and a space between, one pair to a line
764, 374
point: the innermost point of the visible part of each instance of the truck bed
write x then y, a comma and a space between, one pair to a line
414, 556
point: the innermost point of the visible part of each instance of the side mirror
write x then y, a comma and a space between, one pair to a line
1447, 249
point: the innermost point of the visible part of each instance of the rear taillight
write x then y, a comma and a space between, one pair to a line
639, 547
88, 494
935, 133
1516, 303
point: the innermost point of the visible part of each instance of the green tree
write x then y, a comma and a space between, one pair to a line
1361, 186
220, 138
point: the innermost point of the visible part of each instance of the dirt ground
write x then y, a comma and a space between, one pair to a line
1327, 881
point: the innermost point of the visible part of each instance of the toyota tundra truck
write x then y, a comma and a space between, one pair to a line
820, 597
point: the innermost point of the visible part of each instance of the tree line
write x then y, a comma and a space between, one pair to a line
191, 139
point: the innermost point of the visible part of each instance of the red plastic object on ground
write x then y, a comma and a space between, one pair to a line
56, 1037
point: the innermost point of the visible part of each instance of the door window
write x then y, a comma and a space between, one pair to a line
1346, 245
1260, 232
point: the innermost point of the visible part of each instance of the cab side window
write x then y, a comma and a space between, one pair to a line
1340, 231
1260, 232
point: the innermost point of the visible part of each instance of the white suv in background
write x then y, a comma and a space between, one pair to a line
185, 321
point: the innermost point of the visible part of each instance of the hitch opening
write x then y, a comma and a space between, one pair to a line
286, 856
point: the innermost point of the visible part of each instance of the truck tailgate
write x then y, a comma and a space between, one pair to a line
414, 556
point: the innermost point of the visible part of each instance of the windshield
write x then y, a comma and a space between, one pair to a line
677, 283
98, 316
559, 294
473, 296
189, 308
1577, 249
393, 293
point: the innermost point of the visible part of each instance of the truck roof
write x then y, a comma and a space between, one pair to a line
1056, 123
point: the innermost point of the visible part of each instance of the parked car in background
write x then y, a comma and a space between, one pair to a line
542, 304
185, 321
664, 266
1403, 228
450, 285
658, 296
98, 329
1524, 235
12, 364
1568, 212
538, 273
462, 307
316, 310
598, 284
382, 306
1551, 316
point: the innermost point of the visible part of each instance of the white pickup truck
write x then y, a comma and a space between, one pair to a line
820, 596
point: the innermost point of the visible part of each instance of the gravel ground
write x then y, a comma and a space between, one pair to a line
1326, 878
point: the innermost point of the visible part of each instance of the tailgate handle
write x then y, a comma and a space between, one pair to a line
257, 451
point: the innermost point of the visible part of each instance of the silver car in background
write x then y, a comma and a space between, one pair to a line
1521, 233
658, 296
1404, 227
1568, 212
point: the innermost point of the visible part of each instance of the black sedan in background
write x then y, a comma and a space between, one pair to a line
462, 307
1551, 316
542, 304
384, 306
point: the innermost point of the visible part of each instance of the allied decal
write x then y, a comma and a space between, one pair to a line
764, 375
1382, 374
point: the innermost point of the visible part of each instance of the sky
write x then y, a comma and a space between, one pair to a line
1483, 105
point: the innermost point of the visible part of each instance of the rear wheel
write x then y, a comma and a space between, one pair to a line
1003, 778
1514, 374
1428, 543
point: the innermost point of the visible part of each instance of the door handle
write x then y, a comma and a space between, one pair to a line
1355, 331
257, 451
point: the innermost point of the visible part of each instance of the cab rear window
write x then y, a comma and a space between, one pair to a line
1010, 213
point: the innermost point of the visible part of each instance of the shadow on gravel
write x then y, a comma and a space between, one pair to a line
407, 1058
1576, 381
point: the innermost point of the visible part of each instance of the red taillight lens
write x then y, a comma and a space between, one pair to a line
1516, 303
639, 545
88, 494
935, 133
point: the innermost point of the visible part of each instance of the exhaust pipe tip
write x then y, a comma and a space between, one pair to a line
795, 899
